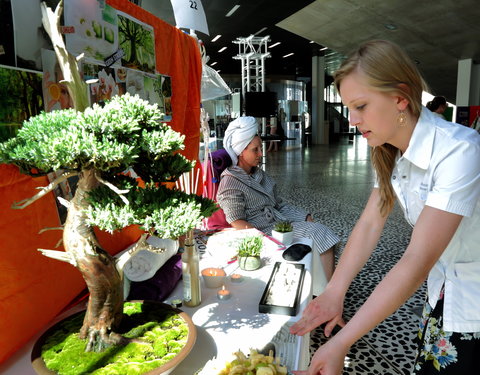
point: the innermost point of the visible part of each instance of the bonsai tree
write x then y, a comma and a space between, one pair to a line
99, 144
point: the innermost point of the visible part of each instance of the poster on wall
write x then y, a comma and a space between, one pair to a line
30, 36
137, 41
166, 88
106, 85
158, 89
22, 34
135, 83
55, 93
21, 93
95, 31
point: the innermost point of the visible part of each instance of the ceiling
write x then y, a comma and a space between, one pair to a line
436, 34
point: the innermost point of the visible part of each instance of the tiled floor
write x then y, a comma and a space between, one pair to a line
333, 182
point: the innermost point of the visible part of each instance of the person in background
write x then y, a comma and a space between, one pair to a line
431, 167
249, 198
438, 105
273, 146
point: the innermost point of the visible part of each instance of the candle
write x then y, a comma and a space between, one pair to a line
236, 278
213, 277
223, 294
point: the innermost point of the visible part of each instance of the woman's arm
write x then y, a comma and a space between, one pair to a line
232, 201
241, 224
328, 307
433, 231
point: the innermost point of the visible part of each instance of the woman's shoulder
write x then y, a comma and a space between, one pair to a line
449, 134
233, 175
453, 135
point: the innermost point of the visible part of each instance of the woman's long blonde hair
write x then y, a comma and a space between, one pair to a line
387, 68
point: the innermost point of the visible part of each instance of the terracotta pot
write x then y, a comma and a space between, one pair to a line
249, 263
40, 368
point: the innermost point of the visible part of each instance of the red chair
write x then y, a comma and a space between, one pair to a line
217, 162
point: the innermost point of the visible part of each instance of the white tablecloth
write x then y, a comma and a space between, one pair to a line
224, 327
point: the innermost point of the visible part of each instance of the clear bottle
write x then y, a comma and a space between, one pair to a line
192, 295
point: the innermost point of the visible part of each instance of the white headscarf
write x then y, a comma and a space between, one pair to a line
238, 135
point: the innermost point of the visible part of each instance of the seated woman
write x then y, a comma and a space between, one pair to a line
248, 195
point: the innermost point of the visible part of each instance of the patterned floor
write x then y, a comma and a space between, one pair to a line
333, 182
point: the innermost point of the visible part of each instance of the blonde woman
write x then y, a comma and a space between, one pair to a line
432, 168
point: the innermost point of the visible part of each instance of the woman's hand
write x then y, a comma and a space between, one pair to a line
327, 307
241, 224
327, 360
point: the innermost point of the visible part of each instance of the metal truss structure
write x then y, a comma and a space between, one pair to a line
252, 51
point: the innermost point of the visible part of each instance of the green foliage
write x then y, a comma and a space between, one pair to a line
127, 130
167, 168
165, 212
160, 335
45, 142
283, 226
124, 134
250, 246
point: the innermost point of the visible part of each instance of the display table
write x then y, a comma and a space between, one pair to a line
225, 326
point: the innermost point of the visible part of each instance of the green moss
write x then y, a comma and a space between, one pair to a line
161, 338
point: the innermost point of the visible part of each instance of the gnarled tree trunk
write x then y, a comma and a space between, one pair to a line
105, 306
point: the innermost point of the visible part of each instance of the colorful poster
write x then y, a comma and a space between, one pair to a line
21, 93
95, 29
137, 42
158, 90
106, 86
166, 89
55, 93
135, 83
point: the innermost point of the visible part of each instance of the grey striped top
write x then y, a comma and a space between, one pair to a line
253, 198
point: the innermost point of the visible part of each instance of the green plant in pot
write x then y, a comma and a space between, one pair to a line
248, 253
97, 145
283, 232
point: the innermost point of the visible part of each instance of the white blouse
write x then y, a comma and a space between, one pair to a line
441, 169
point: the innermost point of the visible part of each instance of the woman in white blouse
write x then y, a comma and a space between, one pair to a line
432, 168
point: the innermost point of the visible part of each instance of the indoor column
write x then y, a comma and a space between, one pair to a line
468, 83
319, 127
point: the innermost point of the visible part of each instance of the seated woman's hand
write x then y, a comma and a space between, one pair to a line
326, 308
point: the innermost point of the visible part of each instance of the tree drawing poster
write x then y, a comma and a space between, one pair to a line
137, 41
